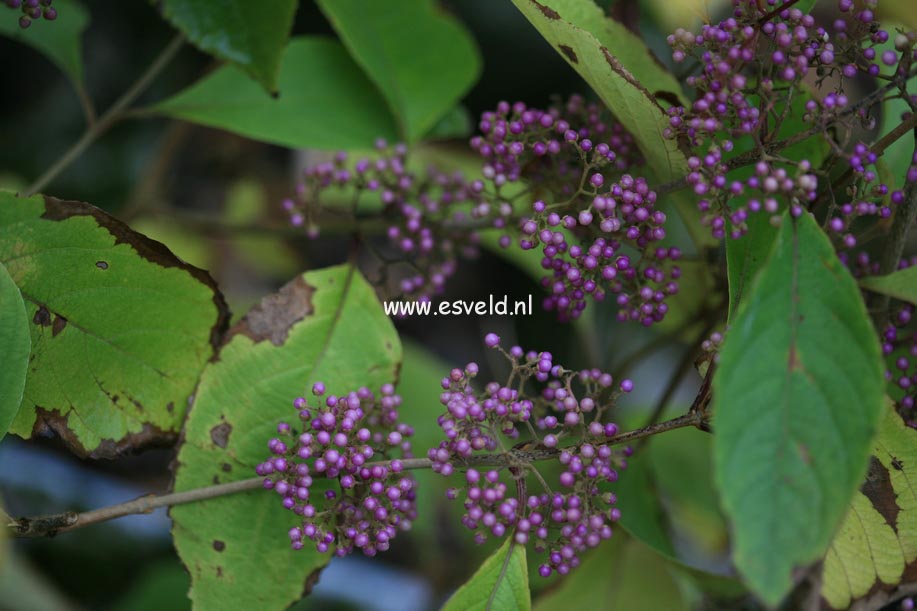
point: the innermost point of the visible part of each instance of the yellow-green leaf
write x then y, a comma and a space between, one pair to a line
878, 539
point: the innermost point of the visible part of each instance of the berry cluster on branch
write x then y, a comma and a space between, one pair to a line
567, 418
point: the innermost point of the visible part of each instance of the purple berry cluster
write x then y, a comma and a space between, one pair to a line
349, 438
32, 10
585, 256
750, 65
431, 219
899, 345
554, 149
564, 423
576, 156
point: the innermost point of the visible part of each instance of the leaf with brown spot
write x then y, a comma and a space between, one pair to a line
342, 338
272, 318
875, 549
569, 53
220, 434
621, 70
629, 79
115, 315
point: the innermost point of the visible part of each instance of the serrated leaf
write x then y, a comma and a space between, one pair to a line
621, 70
14, 357
877, 541
620, 575
60, 40
325, 103
326, 325
248, 34
798, 393
901, 284
501, 582
120, 327
421, 59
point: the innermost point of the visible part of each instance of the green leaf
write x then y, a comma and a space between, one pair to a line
60, 40
697, 296
620, 575
900, 285
746, 256
121, 328
501, 582
798, 393
456, 123
621, 70
14, 337
641, 511
248, 34
877, 542
806, 6
160, 585
326, 102
422, 59
325, 325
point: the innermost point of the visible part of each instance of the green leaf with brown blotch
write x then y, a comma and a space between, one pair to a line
325, 325
621, 70
120, 327
629, 79
875, 548
798, 394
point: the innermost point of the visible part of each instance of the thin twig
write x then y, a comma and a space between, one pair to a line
47, 526
681, 369
111, 116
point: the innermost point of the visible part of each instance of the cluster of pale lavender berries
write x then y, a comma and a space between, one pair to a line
432, 219
564, 423
32, 10
590, 210
350, 439
555, 148
749, 66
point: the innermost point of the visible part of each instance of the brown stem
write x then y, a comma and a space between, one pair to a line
681, 369
48, 526
776, 11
